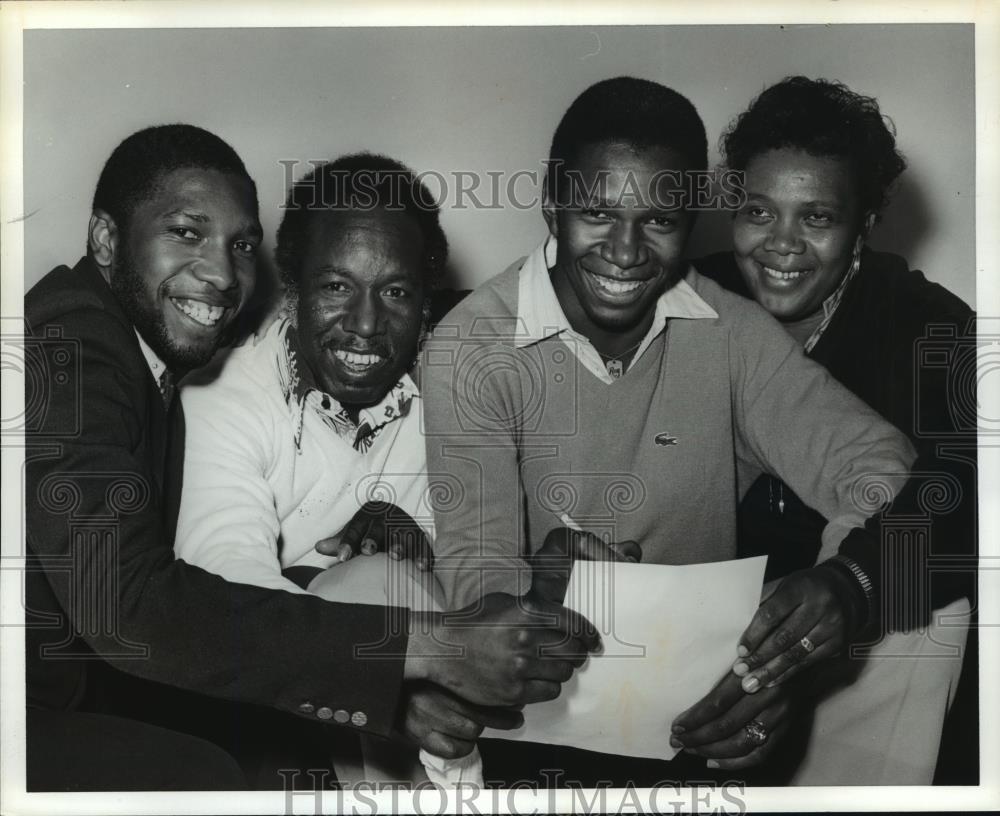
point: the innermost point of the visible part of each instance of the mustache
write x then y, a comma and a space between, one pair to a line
599, 266
381, 349
213, 297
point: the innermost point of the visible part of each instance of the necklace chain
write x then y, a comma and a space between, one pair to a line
615, 365
608, 358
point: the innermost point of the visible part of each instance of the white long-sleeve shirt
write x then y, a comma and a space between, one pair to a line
272, 464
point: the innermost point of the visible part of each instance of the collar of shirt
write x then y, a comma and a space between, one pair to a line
156, 365
832, 302
539, 315
301, 393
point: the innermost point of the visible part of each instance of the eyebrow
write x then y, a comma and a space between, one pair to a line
189, 214
626, 198
330, 270
814, 203
321, 271
249, 227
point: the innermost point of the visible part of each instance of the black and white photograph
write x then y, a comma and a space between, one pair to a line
441, 408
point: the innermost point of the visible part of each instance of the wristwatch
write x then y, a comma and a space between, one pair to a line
862, 577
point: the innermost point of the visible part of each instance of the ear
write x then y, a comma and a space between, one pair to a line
549, 213
102, 238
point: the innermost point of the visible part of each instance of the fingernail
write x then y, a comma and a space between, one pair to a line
676, 743
740, 668
742, 650
678, 729
712, 763
751, 684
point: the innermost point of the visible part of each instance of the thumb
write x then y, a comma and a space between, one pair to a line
328, 546
570, 622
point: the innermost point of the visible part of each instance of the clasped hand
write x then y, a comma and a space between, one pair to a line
380, 527
807, 618
503, 651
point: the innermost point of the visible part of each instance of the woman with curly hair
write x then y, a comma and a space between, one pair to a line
819, 162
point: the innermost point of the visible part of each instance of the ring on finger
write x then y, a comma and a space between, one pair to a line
807, 644
754, 734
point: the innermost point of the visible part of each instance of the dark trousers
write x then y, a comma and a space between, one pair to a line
81, 751
510, 764
140, 725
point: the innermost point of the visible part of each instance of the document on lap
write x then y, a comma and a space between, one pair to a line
669, 632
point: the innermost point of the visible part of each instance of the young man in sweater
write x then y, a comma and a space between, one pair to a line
601, 383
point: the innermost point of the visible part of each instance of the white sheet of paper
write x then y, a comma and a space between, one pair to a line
378, 579
669, 632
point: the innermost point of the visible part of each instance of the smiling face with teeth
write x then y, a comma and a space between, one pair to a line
184, 263
361, 292
794, 239
617, 252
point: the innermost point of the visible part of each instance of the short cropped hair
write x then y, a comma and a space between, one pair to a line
823, 118
626, 110
358, 181
135, 168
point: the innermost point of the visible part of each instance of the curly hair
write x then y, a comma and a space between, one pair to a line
823, 118
137, 166
358, 181
635, 112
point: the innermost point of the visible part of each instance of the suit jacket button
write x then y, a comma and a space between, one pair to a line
341, 716
307, 708
359, 718
324, 713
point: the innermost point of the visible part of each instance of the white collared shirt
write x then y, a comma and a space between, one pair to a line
156, 365
269, 469
540, 316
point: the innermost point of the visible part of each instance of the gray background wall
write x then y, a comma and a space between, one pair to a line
477, 100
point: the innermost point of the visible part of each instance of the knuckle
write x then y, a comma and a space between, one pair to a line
766, 614
727, 725
448, 749
784, 638
515, 694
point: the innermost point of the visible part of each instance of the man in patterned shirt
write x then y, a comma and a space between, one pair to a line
293, 436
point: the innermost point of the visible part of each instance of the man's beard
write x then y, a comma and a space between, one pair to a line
129, 287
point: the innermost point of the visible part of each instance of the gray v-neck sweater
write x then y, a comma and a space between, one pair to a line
519, 439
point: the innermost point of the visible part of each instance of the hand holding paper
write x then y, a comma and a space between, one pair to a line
669, 634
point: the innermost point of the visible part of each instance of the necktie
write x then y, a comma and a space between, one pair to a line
167, 387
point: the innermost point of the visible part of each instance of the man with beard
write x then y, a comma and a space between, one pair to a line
117, 626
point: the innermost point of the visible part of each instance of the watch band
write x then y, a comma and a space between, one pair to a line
843, 562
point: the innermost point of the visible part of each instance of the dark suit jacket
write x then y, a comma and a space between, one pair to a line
103, 584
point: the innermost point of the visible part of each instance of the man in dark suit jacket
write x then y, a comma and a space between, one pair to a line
115, 623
